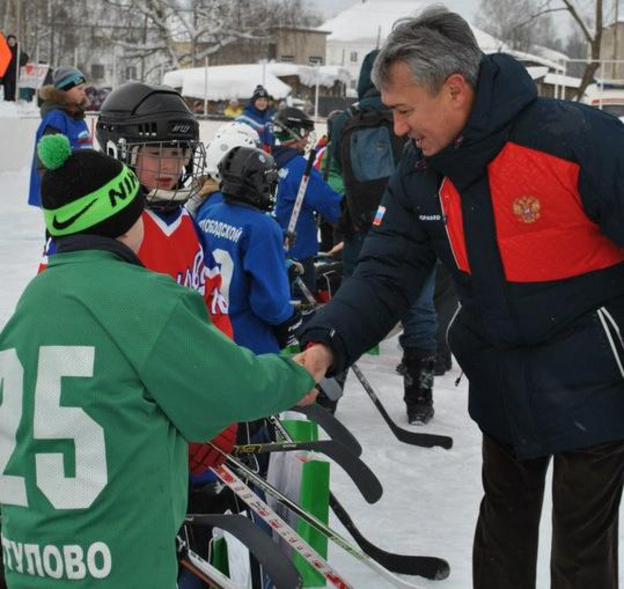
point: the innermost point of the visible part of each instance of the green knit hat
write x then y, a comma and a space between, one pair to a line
86, 191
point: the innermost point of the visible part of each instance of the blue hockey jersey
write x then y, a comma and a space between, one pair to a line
248, 246
319, 198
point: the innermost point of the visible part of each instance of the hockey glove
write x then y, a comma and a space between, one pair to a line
203, 456
285, 332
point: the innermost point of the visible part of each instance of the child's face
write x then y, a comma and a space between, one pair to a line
76, 95
261, 103
160, 167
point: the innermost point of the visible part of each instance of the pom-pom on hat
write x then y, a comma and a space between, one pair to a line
67, 77
86, 191
259, 92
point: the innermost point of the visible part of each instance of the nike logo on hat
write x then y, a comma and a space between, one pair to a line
61, 225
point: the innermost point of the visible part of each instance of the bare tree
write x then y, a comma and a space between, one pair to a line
180, 32
593, 38
591, 27
149, 34
507, 20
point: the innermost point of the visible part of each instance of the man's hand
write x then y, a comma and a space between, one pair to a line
316, 359
203, 456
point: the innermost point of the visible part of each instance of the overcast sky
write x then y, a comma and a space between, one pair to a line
329, 8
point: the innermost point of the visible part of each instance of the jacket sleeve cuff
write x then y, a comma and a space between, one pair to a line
330, 338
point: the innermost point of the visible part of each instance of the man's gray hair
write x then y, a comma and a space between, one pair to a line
434, 44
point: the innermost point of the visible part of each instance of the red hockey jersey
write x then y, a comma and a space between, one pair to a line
171, 246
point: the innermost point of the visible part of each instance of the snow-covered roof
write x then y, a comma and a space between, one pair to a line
374, 19
549, 54
225, 82
561, 80
327, 74
239, 81
533, 57
537, 71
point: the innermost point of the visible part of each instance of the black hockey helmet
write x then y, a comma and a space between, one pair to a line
292, 124
249, 175
140, 113
136, 115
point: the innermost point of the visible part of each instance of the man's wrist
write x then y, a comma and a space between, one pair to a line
327, 356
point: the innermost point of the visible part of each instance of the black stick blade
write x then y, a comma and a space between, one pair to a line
429, 567
277, 565
332, 426
403, 435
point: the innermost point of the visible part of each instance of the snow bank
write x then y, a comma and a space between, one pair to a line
18, 138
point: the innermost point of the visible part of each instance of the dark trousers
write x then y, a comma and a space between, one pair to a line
586, 490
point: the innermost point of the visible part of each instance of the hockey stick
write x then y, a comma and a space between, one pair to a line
363, 477
201, 568
333, 427
429, 567
294, 216
405, 436
278, 525
274, 561
317, 524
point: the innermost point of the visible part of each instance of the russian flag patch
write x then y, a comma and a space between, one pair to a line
379, 215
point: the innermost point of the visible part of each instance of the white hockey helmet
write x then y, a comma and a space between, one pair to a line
238, 127
222, 144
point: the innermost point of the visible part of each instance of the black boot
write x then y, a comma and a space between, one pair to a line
418, 382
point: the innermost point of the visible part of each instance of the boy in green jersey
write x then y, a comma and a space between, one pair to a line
104, 379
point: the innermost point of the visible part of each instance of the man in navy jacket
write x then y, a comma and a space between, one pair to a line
521, 198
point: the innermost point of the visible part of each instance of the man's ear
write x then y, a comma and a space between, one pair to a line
459, 91
456, 86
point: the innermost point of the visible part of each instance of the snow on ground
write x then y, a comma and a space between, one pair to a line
431, 496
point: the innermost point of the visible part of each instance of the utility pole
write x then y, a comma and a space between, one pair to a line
18, 19
615, 69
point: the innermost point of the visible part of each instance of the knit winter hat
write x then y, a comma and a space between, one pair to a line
86, 191
67, 77
259, 92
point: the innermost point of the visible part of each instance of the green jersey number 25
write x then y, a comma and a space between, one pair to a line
51, 421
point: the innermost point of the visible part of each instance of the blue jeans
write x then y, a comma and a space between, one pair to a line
420, 324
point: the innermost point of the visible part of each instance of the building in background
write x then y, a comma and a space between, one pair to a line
356, 31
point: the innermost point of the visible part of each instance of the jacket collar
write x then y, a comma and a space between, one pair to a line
504, 89
85, 241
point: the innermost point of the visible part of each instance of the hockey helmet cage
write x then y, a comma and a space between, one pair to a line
249, 175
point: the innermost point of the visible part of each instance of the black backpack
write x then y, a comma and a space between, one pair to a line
369, 151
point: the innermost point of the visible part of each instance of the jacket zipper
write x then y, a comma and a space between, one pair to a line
444, 218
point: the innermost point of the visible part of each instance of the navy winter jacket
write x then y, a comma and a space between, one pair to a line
526, 208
